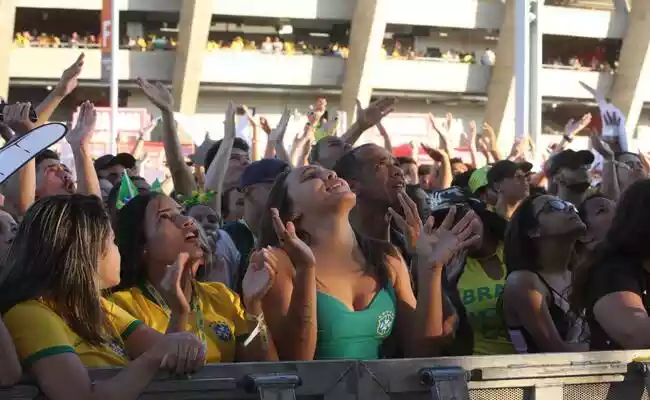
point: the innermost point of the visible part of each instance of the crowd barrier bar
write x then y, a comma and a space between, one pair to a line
620, 375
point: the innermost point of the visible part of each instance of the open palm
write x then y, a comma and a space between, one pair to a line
259, 276
298, 251
157, 94
436, 247
83, 131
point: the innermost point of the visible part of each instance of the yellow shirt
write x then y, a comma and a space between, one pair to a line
39, 332
480, 295
223, 315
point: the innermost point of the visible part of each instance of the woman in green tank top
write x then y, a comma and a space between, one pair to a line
338, 295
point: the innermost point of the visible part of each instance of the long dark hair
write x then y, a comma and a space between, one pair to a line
375, 251
519, 250
131, 239
626, 240
55, 256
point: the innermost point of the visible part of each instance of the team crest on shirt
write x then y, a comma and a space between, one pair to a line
222, 330
385, 322
118, 349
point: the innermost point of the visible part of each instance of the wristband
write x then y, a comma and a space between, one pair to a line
568, 138
259, 328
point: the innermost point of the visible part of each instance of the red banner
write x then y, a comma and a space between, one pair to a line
106, 30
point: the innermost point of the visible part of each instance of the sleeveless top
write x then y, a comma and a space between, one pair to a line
523, 340
480, 295
353, 335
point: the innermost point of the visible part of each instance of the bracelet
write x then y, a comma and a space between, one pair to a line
568, 138
260, 328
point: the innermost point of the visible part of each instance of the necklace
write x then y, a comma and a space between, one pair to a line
194, 306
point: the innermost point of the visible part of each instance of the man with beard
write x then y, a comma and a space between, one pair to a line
568, 175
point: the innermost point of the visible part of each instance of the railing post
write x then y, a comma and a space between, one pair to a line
273, 386
447, 383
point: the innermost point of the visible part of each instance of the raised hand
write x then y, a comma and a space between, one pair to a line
157, 94
259, 276
601, 146
16, 117
410, 224
70, 77
573, 127
264, 124
436, 247
435, 154
181, 353
277, 134
472, 135
230, 131
81, 134
371, 116
298, 251
176, 280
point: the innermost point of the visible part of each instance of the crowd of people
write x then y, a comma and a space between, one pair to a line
323, 251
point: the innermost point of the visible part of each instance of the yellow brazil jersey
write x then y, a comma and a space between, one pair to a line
39, 332
480, 296
223, 316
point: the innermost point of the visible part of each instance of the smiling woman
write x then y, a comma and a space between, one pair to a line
161, 254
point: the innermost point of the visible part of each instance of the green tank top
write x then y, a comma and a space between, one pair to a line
353, 335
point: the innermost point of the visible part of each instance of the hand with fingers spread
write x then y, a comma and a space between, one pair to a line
16, 117
371, 116
573, 127
601, 146
436, 247
81, 134
70, 77
181, 353
157, 94
259, 276
410, 224
298, 251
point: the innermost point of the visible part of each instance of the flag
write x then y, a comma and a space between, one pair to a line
156, 186
127, 191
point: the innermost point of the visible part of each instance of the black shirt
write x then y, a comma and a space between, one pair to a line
610, 277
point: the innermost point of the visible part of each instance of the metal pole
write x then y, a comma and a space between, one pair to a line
536, 37
115, 73
521, 68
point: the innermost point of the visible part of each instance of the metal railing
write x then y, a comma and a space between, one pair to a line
578, 376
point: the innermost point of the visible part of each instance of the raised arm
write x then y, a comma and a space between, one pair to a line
367, 118
159, 96
79, 138
216, 173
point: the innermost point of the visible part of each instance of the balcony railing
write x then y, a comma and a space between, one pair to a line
251, 68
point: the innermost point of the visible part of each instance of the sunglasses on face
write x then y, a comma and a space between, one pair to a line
557, 205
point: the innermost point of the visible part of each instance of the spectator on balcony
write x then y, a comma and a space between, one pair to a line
21, 39
278, 45
237, 44
74, 40
267, 45
141, 43
488, 57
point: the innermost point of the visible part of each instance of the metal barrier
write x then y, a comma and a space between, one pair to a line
622, 375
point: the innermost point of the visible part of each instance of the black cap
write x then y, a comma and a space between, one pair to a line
504, 169
107, 160
569, 159
262, 171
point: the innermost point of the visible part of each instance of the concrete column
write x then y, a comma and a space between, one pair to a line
193, 29
633, 75
7, 17
366, 37
500, 107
